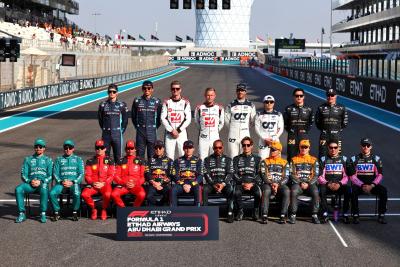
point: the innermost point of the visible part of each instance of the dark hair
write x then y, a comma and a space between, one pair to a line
113, 86
247, 138
297, 90
333, 141
218, 141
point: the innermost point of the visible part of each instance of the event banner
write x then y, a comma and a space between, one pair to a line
164, 223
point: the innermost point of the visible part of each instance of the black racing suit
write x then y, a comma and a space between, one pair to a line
330, 120
334, 170
218, 170
159, 169
367, 170
246, 171
146, 115
113, 120
298, 121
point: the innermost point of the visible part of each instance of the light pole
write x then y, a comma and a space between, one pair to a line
330, 33
120, 47
322, 39
95, 15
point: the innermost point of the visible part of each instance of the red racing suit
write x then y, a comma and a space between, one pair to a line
98, 169
129, 169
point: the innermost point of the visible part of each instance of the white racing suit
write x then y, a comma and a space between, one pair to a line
239, 115
175, 115
210, 120
268, 125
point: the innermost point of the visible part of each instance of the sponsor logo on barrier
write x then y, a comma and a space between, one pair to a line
356, 88
327, 82
296, 74
377, 93
25, 96
309, 77
10, 99
63, 89
202, 53
40, 93
302, 76
398, 98
318, 79
86, 84
340, 85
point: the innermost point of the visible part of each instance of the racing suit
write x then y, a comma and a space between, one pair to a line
98, 169
298, 121
146, 115
210, 120
175, 115
334, 170
239, 115
268, 125
246, 171
160, 170
129, 169
218, 170
367, 170
304, 169
35, 168
69, 168
187, 171
275, 170
113, 120
330, 120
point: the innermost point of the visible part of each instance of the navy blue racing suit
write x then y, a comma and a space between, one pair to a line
146, 115
113, 120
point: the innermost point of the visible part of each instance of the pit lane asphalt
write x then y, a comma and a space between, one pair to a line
246, 242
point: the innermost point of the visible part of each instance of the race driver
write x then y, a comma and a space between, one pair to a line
304, 170
331, 118
188, 171
36, 174
366, 178
159, 173
298, 120
247, 179
239, 115
176, 116
218, 171
113, 120
129, 177
274, 172
269, 126
210, 119
145, 114
99, 174
68, 173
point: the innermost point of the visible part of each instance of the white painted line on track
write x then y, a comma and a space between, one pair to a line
339, 235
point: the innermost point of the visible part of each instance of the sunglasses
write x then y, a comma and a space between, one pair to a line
112, 92
304, 147
175, 88
158, 147
68, 147
273, 149
188, 147
39, 146
330, 95
366, 145
269, 102
299, 96
246, 145
333, 147
218, 147
100, 147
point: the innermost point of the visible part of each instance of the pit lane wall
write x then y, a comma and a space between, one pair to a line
380, 93
16, 98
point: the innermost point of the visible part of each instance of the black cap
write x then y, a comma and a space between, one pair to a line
366, 141
188, 143
331, 92
333, 140
147, 83
113, 86
241, 86
159, 143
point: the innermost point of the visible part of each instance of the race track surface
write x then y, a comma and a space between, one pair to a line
241, 243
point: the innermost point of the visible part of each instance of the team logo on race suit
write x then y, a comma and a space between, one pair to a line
365, 168
209, 122
176, 117
333, 167
268, 125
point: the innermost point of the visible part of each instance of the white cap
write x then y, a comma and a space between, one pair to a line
269, 98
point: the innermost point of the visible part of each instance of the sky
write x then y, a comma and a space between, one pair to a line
273, 18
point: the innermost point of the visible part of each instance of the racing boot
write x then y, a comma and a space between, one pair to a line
21, 217
256, 214
56, 216
292, 219
315, 219
94, 214
282, 219
264, 219
43, 218
239, 215
381, 219
75, 216
103, 215
325, 217
356, 219
230, 217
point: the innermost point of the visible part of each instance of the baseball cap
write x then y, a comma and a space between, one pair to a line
241, 86
113, 86
366, 141
269, 98
305, 142
130, 144
147, 83
333, 141
99, 142
159, 143
40, 142
331, 92
69, 142
276, 145
188, 143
